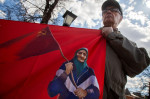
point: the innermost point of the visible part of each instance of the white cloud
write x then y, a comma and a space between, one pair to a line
2, 1
131, 1
123, 5
130, 8
136, 33
148, 3
135, 15
134, 3
2, 14
30, 5
87, 12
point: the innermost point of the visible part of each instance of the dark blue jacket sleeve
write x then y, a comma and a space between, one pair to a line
92, 92
56, 86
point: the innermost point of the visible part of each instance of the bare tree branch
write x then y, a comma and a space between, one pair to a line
35, 5
48, 10
20, 11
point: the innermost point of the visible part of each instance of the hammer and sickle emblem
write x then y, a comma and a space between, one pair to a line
40, 33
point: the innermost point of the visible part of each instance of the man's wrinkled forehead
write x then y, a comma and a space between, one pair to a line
108, 7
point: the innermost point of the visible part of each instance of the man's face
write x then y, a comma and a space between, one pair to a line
111, 17
81, 55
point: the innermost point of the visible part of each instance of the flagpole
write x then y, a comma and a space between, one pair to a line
68, 62
64, 58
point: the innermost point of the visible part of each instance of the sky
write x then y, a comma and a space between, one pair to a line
135, 24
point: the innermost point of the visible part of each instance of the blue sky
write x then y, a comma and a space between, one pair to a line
135, 24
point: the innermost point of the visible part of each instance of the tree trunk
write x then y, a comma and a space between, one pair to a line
48, 11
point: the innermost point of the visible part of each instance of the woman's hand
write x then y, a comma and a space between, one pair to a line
80, 93
69, 67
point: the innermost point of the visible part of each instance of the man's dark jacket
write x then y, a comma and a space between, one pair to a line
123, 58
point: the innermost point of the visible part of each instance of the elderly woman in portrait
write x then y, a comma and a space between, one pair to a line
85, 79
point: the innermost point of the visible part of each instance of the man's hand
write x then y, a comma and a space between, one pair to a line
69, 67
106, 31
80, 93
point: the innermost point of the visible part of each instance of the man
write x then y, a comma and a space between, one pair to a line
87, 85
123, 57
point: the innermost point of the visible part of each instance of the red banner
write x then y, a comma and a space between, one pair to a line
29, 59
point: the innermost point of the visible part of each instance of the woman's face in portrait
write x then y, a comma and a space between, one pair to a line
81, 55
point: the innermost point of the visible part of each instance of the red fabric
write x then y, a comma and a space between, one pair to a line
29, 77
